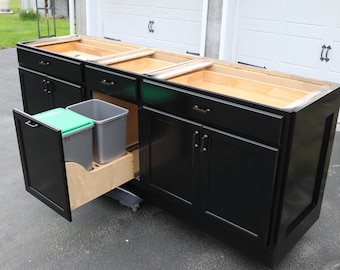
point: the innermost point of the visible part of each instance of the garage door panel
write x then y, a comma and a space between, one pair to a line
300, 51
334, 56
258, 44
301, 28
129, 3
311, 12
259, 9
176, 24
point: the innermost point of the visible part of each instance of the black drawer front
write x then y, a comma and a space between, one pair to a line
59, 67
243, 120
111, 83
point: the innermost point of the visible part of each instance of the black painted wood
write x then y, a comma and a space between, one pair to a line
50, 64
111, 82
41, 92
43, 164
172, 162
230, 116
252, 175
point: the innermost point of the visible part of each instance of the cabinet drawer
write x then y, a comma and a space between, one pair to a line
49, 64
112, 83
63, 186
243, 120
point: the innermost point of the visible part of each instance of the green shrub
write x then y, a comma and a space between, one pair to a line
27, 15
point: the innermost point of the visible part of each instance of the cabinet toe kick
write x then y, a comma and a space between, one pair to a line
84, 186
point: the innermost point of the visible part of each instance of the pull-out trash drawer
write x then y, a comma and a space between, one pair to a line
63, 186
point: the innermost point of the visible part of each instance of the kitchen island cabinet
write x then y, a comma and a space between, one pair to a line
242, 152
260, 167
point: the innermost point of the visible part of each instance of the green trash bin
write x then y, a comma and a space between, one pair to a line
76, 132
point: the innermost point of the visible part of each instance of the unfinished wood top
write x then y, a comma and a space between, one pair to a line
267, 93
154, 61
142, 65
84, 48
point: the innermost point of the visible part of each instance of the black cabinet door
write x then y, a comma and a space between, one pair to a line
238, 177
42, 158
34, 91
63, 93
41, 92
169, 157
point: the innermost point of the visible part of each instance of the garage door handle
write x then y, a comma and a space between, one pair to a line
327, 51
150, 26
328, 48
323, 48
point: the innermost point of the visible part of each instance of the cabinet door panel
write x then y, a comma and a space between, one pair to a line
238, 178
172, 157
43, 164
64, 93
34, 97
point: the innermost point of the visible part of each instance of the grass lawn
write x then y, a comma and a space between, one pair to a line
13, 29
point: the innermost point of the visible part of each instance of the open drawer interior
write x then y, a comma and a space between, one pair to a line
155, 60
84, 48
267, 88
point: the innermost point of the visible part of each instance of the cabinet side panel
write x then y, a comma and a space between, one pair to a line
312, 140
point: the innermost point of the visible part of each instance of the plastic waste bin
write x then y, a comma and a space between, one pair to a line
76, 132
109, 134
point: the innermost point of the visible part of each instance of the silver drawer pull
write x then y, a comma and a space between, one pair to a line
201, 110
44, 63
107, 83
30, 124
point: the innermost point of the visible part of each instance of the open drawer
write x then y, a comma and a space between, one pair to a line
63, 186
82, 47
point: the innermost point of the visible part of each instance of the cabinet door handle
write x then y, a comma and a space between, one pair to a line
195, 139
43, 86
201, 110
107, 83
204, 143
49, 87
44, 63
30, 124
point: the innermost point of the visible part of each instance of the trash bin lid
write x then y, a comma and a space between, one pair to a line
65, 120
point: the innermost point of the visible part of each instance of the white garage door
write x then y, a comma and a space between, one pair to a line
173, 25
300, 37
